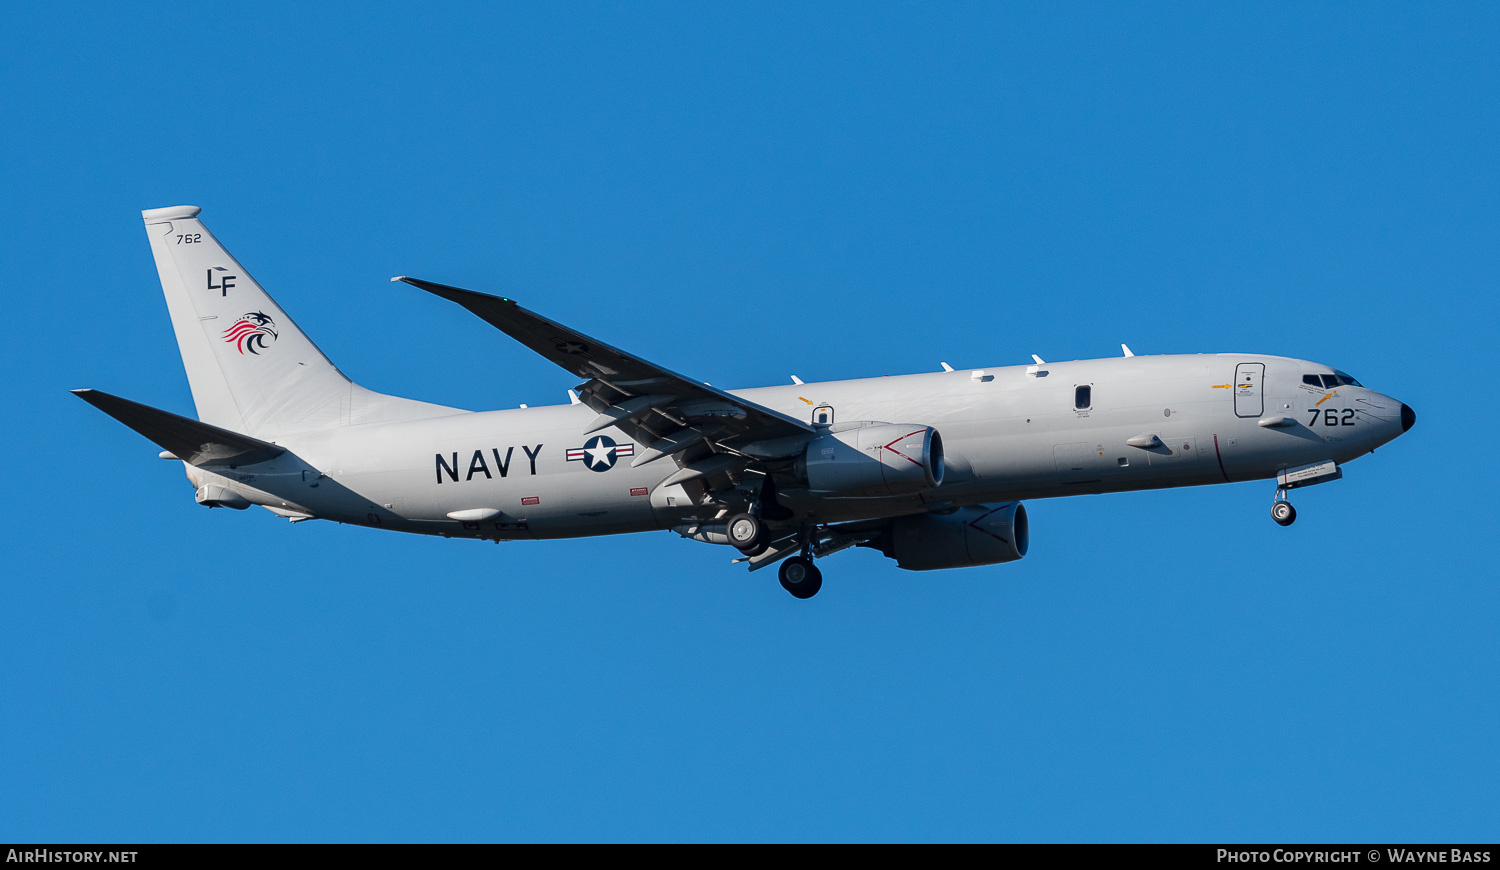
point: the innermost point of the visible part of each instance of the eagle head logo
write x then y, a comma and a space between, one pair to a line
252, 333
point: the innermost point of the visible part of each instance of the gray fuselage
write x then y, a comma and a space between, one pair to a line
1010, 433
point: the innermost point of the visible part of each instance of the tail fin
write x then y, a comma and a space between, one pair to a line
250, 368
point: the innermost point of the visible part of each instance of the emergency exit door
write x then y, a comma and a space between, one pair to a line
1248, 399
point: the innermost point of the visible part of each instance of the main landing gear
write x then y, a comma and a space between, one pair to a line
1282, 511
747, 531
801, 577
748, 534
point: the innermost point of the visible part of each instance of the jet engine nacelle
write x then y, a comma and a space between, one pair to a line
875, 460
978, 535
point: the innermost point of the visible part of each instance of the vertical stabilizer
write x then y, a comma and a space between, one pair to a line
250, 368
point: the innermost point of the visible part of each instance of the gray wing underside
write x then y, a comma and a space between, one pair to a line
713, 435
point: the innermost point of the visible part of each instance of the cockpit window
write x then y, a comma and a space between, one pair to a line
1328, 382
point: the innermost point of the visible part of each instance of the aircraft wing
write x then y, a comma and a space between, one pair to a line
708, 431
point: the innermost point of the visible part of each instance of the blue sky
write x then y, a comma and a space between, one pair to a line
746, 192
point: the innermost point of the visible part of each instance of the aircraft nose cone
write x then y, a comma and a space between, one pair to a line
1408, 417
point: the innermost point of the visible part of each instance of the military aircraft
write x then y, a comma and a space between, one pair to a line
930, 469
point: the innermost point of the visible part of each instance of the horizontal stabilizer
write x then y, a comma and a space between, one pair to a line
191, 441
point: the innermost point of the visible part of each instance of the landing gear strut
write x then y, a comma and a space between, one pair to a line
801, 577
1282, 511
1303, 475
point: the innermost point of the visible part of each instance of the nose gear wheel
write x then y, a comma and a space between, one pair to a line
1282, 511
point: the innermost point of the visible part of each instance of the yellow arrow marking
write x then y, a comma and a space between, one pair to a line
1325, 398
1222, 386
805, 400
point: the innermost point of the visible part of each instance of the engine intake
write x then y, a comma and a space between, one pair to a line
978, 535
875, 460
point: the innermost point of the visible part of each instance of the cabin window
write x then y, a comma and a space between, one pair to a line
1082, 397
1312, 380
823, 414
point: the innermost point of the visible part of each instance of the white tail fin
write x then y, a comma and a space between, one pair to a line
249, 366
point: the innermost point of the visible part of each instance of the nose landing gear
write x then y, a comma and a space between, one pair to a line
1303, 475
1282, 511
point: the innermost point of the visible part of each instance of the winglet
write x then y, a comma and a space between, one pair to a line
467, 298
